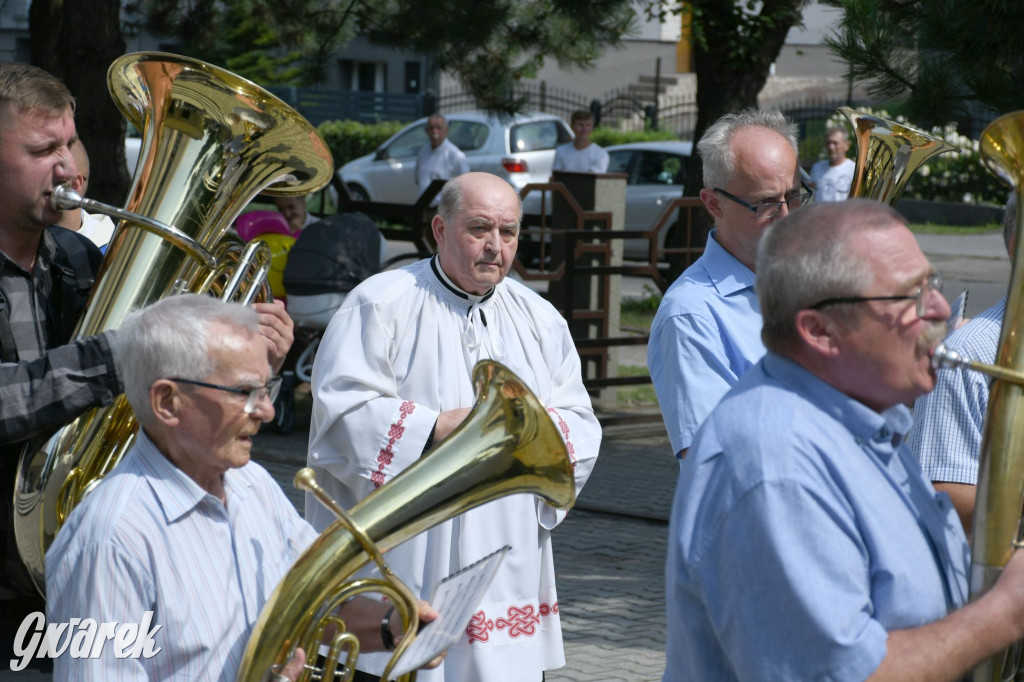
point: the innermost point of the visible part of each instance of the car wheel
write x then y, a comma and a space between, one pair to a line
357, 193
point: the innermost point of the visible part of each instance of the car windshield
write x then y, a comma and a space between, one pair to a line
409, 142
537, 135
467, 135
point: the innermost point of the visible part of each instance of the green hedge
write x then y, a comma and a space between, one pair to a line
349, 140
606, 137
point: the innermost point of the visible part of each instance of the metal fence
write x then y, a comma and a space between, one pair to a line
318, 105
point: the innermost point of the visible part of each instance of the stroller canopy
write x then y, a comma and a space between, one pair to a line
333, 255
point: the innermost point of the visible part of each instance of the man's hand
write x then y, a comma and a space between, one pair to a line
448, 421
277, 330
292, 671
427, 614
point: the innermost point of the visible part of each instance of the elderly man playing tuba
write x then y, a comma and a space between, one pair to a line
186, 528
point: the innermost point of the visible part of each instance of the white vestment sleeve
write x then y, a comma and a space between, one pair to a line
362, 431
570, 408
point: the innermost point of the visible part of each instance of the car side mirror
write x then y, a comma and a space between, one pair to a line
380, 154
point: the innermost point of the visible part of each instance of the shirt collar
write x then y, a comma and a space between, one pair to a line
726, 271
448, 284
883, 431
176, 492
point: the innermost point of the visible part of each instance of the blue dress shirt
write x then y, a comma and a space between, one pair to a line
706, 333
148, 538
802, 532
946, 436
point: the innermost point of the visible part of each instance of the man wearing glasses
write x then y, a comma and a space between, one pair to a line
805, 543
186, 528
707, 330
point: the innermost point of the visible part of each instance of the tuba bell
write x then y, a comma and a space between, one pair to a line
997, 529
507, 444
211, 141
888, 153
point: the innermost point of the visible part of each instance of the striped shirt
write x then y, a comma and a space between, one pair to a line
946, 436
150, 539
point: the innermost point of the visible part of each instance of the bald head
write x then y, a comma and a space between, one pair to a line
82, 162
477, 230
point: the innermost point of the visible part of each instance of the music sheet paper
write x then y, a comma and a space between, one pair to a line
958, 307
455, 598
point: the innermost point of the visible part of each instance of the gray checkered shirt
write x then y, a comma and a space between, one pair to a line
52, 381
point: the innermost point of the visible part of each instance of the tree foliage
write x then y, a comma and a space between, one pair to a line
76, 40
734, 46
488, 44
945, 56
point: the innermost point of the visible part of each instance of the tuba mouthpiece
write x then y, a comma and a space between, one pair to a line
943, 357
63, 198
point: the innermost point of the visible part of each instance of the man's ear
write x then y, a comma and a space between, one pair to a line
437, 227
819, 332
712, 202
165, 401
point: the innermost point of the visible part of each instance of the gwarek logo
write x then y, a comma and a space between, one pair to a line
82, 638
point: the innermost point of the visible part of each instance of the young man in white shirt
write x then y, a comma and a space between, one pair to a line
581, 155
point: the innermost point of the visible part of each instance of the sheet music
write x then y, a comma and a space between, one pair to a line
958, 308
455, 598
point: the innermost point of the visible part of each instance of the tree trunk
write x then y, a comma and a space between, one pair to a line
727, 82
44, 21
90, 39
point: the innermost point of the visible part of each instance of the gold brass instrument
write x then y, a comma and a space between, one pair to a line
888, 153
506, 445
211, 141
997, 527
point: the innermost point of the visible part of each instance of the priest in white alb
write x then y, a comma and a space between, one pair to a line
393, 377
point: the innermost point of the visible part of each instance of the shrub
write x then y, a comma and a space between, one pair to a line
349, 140
958, 176
609, 136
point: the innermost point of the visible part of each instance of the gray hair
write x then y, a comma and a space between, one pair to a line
24, 87
450, 202
715, 146
805, 258
171, 338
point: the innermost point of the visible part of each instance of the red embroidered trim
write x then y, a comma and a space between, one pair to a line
521, 621
564, 428
386, 454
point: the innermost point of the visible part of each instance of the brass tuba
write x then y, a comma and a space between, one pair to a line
888, 153
997, 530
211, 141
508, 444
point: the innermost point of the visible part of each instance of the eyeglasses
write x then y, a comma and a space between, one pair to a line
919, 297
770, 209
253, 395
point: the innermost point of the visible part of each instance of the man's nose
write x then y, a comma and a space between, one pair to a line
66, 167
493, 242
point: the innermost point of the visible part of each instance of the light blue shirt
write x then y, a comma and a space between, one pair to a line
801, 533
706, 333
946, 436
149, 538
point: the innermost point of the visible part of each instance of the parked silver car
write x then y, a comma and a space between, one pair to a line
518, 148
655, 172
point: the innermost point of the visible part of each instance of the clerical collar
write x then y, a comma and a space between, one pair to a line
451, 286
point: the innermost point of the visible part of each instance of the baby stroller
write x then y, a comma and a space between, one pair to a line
329, 258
